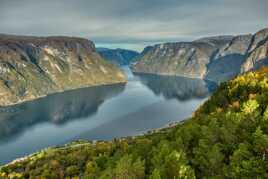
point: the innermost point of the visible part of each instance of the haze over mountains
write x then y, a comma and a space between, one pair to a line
213, 58
118, 56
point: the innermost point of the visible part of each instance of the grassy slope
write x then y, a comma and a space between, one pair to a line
227, 137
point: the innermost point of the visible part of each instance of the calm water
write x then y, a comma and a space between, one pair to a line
144, 103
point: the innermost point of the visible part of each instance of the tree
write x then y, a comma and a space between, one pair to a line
208, 159
176, 166
245, 164
250, 106
128, 168
155, 174
72, 171
91, 170
260, 142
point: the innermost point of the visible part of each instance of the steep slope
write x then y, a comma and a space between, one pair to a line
31, 67
183, 58
228, 59
258, 52
226, 138
118, 56
214, 58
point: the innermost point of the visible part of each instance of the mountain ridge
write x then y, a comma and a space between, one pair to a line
32, 67
216, 58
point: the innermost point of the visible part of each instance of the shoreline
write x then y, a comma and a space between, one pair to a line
57, 92
152, 131
175, 75
79, 143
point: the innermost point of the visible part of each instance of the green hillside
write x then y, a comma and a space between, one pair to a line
227, 137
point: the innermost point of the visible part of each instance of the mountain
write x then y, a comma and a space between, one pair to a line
257, 52
227, 137
32, 67
214, 58
118, 56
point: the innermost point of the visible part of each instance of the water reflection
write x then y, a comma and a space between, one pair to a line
146, 102
57, 109
174, 99
181, 88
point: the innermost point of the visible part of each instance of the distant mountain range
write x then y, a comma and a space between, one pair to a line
118, 56
214, 58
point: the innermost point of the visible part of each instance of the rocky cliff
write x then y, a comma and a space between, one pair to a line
257, 55
214, 58
184, 58
118, 56
31, 67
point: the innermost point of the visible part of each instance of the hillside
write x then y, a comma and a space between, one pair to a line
227, 137
32, 67
118, 56
213, 58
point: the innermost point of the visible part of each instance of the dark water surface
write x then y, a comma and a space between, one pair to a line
146, 102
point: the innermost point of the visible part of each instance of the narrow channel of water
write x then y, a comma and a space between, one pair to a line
146, 102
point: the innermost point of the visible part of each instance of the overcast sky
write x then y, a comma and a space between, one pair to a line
132, 23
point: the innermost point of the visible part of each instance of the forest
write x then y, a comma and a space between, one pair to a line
227, 137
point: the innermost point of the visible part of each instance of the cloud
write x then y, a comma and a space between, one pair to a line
132, 21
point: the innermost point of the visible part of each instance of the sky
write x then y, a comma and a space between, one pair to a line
133, 24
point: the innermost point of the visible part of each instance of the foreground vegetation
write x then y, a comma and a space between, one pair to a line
226, 138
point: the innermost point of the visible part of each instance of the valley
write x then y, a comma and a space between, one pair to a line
185, 109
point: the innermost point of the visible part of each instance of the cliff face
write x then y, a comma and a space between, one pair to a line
186, 59
31, 67
258, 52
215, 58
118, 56
228, 59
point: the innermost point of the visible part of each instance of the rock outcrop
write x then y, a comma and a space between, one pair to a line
184, 58
214, 58
32, 67
118, 56
257, 55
